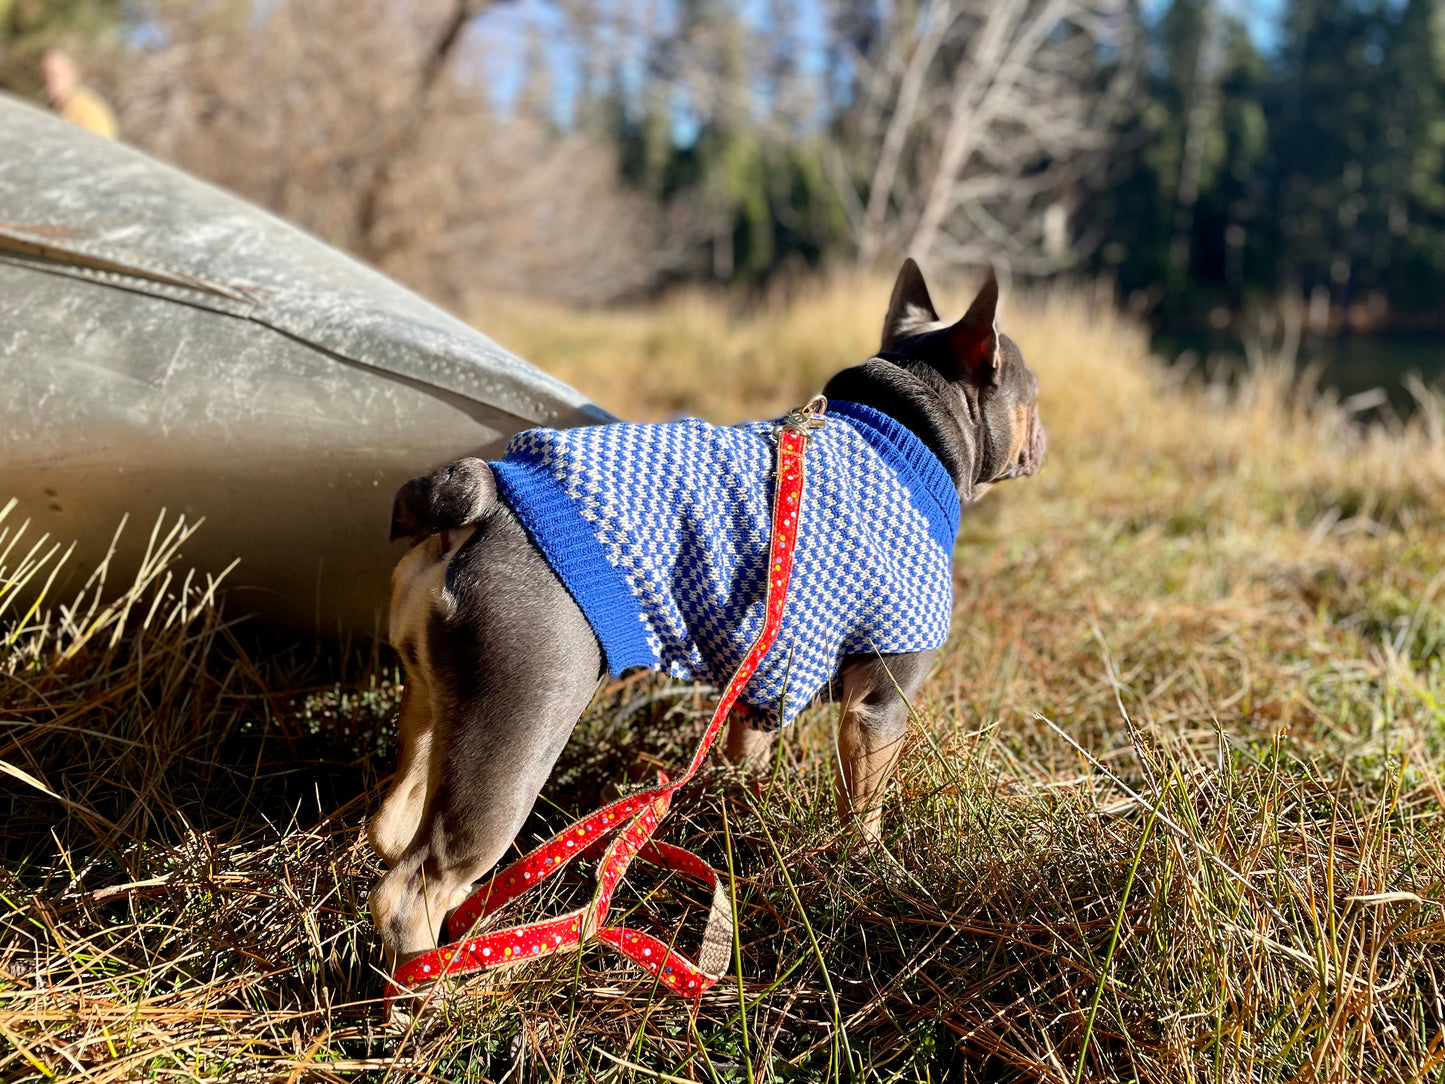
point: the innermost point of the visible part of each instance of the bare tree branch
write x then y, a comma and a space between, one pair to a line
403, 138
382, 149
936, 23
1000, 103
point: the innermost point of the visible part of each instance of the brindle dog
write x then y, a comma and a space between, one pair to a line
500, 662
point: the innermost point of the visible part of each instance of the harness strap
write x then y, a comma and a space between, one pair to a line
634, 819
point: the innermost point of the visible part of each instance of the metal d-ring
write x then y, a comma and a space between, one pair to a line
808, 417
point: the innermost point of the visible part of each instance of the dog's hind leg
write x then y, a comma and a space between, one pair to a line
514, 663
394, 826
746, 745
418, 589
871, 730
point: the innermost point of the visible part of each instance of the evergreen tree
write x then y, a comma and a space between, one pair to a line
1183, 212
1415, 133
1333, 148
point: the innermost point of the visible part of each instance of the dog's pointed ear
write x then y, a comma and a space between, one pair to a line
974, 339
911, 306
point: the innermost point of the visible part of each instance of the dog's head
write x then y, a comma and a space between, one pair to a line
989, 390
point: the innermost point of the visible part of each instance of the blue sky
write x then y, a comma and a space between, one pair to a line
1260, 16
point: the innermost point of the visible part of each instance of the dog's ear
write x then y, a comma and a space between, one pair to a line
911, 307
974, 339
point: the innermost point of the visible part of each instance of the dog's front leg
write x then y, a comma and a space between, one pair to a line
871, 730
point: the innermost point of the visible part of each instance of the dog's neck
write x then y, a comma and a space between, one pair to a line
920, 404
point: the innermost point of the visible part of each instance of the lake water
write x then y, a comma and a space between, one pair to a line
1352, 364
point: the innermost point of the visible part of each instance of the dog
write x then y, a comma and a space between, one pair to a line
504, 632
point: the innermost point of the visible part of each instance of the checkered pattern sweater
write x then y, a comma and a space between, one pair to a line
661, 533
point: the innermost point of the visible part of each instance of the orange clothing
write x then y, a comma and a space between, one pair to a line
89, 110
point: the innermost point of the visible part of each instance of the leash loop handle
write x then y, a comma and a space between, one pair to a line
632, 820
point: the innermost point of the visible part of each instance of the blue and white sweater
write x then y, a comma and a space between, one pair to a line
660, 533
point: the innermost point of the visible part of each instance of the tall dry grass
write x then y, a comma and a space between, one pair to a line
1172, 808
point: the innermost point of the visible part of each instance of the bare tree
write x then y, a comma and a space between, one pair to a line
433, 62
974, 121
369, 123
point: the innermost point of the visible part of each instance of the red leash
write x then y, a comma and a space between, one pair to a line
636, 818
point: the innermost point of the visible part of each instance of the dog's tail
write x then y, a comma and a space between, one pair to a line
450, 497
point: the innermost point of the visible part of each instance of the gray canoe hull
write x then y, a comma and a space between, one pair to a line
166, 346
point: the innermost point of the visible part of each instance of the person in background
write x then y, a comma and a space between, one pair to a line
71, 98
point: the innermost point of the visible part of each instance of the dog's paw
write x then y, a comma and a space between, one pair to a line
420, 1010
415, 1010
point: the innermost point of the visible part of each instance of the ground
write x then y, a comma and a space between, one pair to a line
1171, 808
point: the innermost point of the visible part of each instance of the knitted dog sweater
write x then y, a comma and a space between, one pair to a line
661, 534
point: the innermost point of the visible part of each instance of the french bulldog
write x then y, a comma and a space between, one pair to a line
500, 658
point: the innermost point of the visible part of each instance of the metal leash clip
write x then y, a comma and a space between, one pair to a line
808, 417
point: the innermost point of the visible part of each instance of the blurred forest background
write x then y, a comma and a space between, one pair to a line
1215, 160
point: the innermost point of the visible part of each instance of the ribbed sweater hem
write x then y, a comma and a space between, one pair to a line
572, 548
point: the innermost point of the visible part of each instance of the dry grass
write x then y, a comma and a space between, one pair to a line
1172, 811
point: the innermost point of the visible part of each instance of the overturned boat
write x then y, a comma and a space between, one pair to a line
164, 345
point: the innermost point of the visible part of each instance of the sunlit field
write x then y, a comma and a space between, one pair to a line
1171, 809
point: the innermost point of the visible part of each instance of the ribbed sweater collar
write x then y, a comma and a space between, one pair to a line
918, 469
